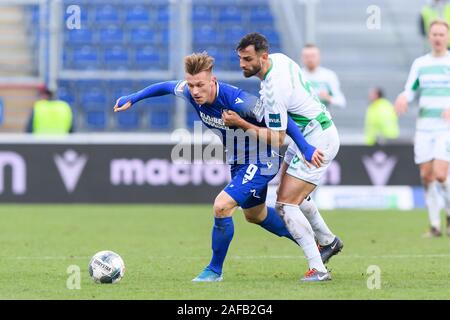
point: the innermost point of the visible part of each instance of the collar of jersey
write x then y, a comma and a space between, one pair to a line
270, 68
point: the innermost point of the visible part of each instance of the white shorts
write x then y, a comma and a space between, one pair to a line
326, 141
430, 145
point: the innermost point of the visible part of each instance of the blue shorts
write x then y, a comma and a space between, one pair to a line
248, 185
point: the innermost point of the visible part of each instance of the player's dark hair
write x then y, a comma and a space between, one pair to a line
380, 92
256, 39
309, 45
46, 92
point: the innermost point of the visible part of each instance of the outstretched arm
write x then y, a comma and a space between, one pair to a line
154, 90
311, 154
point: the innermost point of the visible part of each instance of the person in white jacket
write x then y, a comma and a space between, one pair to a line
324, 81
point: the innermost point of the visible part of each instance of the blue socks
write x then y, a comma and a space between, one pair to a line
275, 224
222, 235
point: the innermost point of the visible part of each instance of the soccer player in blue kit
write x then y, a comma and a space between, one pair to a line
250, 176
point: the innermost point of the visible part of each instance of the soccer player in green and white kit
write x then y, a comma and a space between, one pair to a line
430, 78
324, 81
285, 91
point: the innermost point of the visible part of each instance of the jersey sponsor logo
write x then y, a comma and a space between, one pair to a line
238, 100
213, 121
274, 120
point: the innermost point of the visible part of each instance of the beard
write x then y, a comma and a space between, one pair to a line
251, 72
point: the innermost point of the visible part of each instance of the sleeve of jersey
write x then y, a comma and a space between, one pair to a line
294, 132
154, 90
247, 105
338, 98
275, 109
412, 84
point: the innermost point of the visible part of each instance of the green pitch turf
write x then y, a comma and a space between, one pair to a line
165, 246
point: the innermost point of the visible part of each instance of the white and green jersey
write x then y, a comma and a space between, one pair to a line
323, 79
430, 79
284, 90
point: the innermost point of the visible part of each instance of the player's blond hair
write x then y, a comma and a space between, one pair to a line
198, 62
439, 22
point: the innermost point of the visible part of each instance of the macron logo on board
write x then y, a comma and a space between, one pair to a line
70, 166
379, 167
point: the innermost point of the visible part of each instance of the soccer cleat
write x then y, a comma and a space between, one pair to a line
433, 233
326, 252
312, 275
207, 275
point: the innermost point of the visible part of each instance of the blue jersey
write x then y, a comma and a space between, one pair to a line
246, 151
253, 166
240, 148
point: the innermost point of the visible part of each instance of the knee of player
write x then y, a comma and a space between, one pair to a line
427, 178
221, 209
441, 178
253, 219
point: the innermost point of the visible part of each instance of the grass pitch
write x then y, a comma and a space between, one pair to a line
165, 246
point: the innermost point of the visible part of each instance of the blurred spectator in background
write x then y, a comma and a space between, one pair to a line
50, 116
324, 81
433, 10
381, 120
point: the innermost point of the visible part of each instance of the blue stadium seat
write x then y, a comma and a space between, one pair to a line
79, 36
107, 14
95, 119
143, 34
159, 118
147, 57
261, 14
165, 102
66, 95
93, 103
270, 33
165, 36
202, 14
163, 14
191, 117
111, 35
137, 14
129, 120
230, 14
205, 35
93, 98
85, 57
235, 33
116, 57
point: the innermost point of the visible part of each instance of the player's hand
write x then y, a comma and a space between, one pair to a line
446, 115
231, 118
401, 104
317, 159
122, 108
323, 95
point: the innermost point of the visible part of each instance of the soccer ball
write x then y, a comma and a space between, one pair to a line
106, 267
